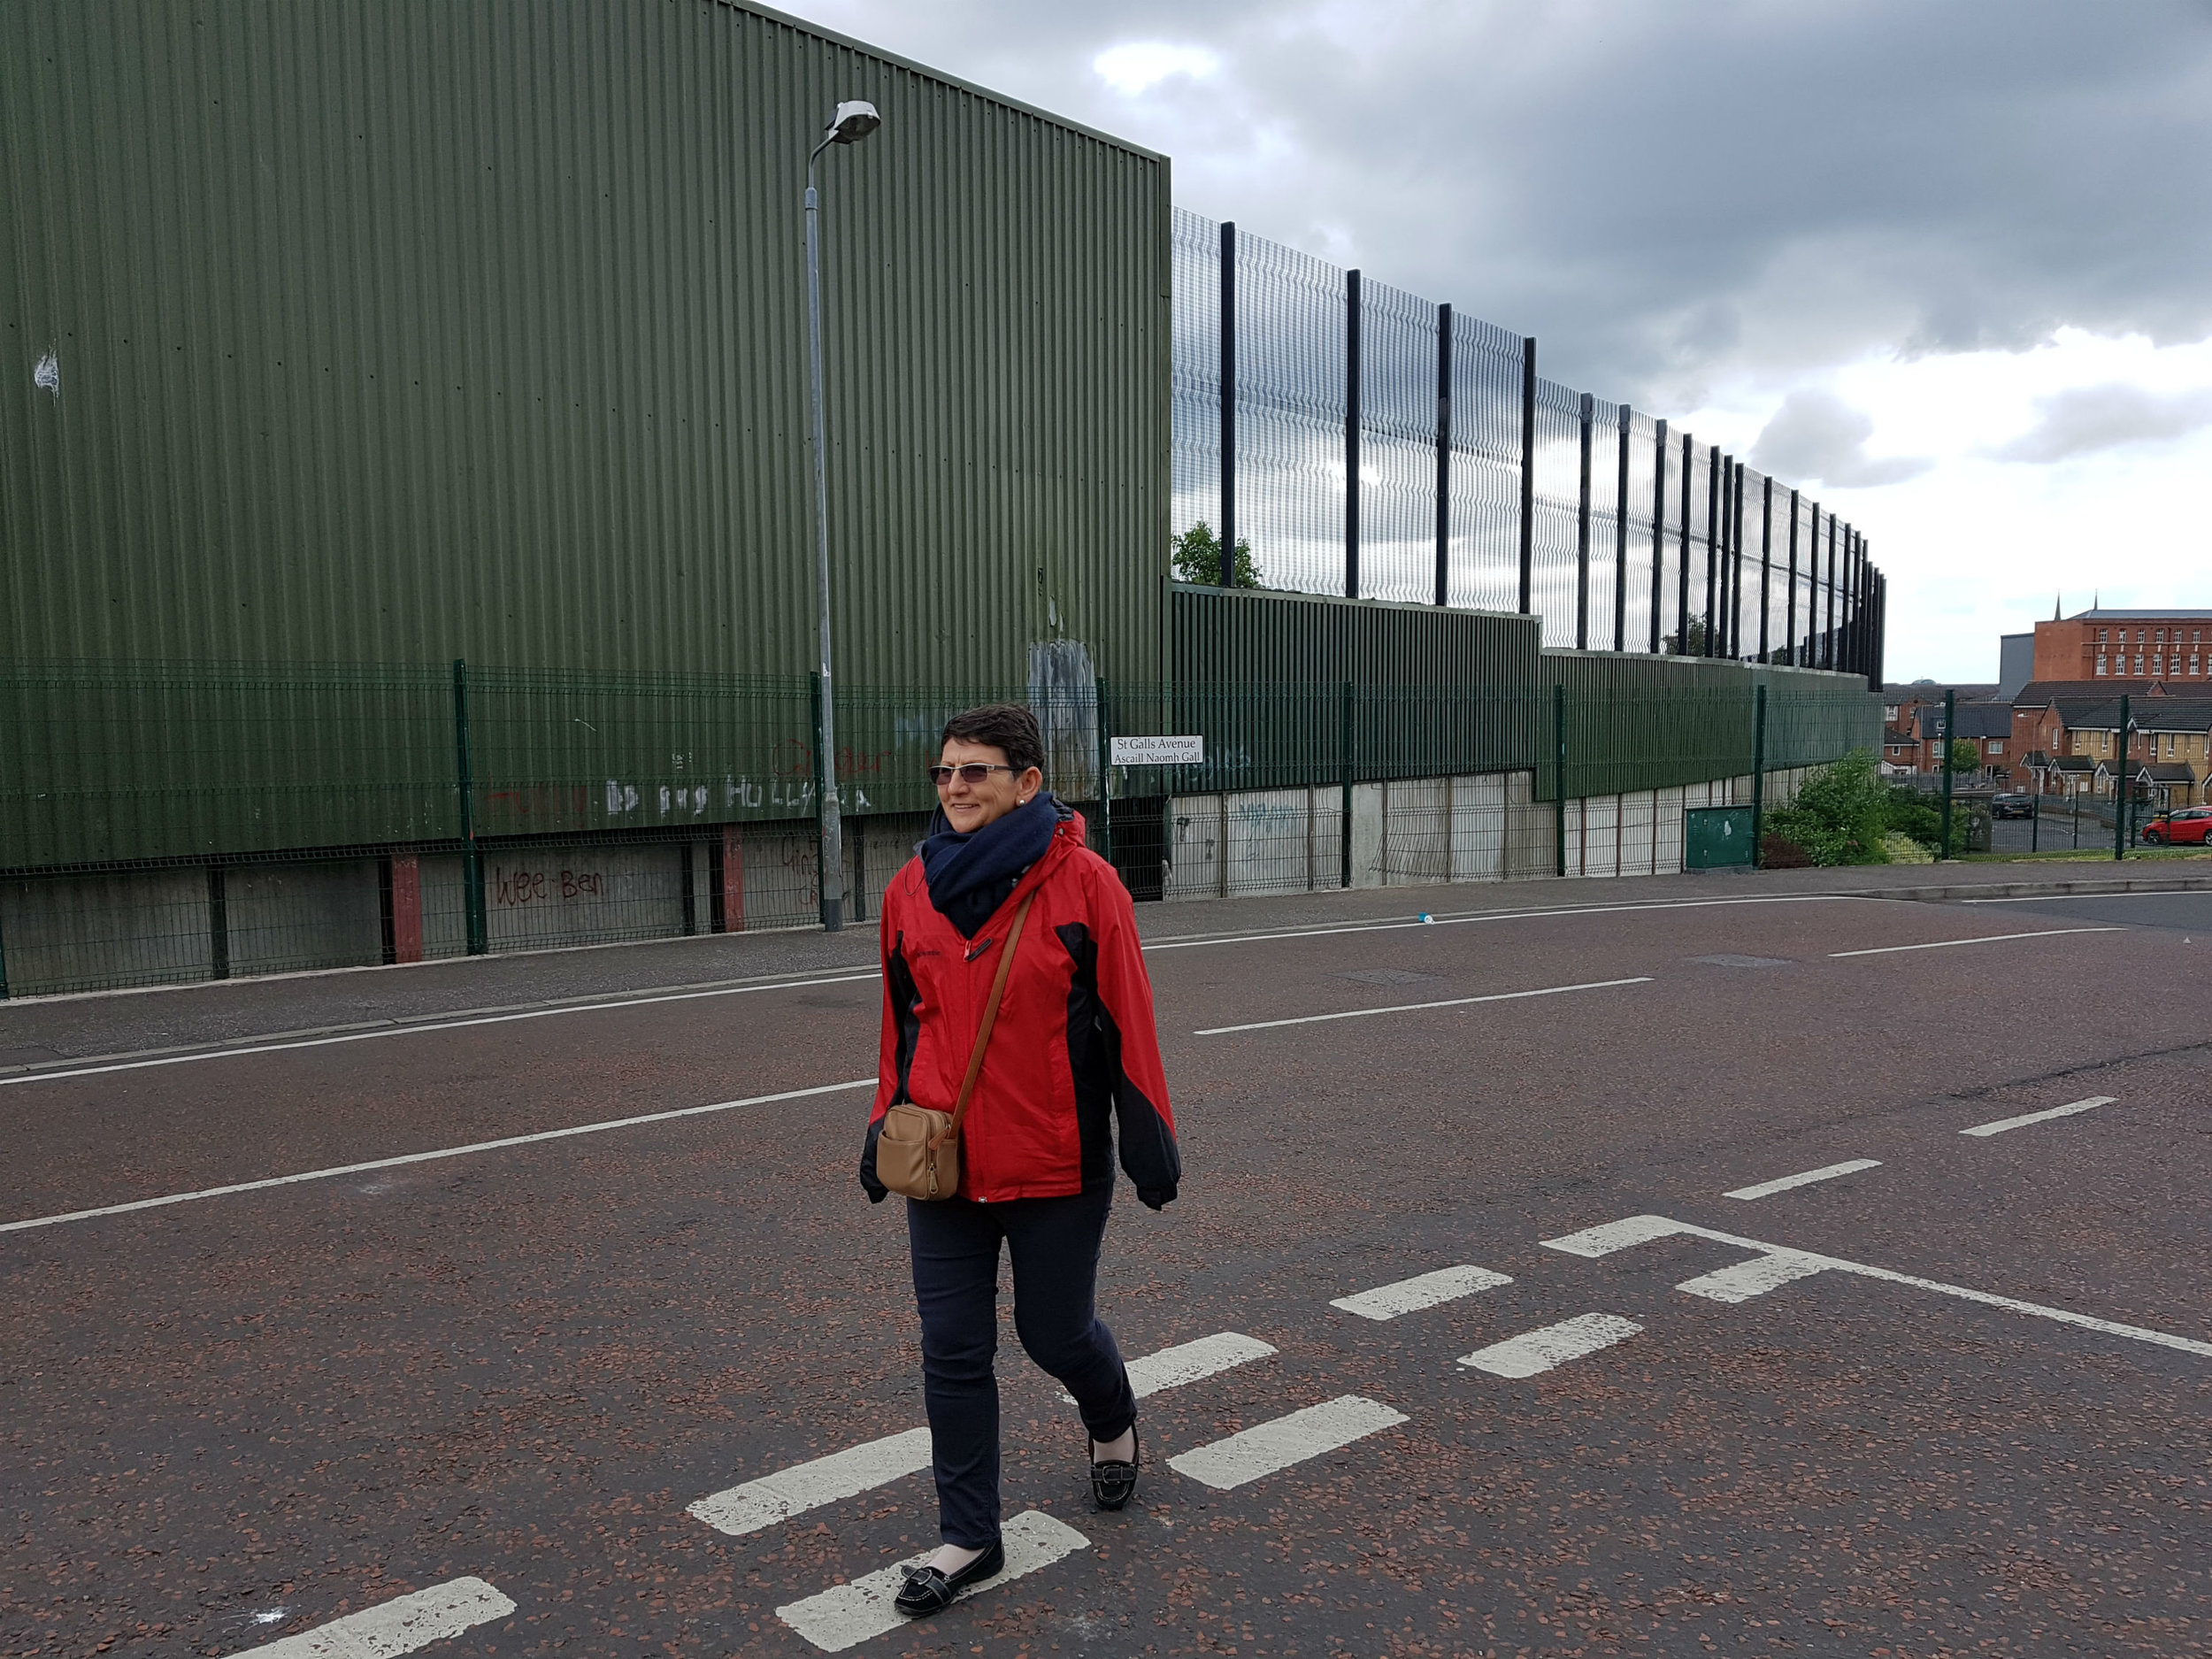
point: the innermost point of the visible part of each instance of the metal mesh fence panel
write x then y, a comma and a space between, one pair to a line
1290, 416
1686, 623
1485, 466
1397, 445
1194, 383
1638, 633
1605, 521
1558, 509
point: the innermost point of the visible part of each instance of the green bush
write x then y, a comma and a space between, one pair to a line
1841, 814
1910, 812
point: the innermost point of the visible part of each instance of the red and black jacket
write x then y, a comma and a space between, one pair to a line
1074, 1047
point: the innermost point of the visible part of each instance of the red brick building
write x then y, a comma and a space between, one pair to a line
2142, 645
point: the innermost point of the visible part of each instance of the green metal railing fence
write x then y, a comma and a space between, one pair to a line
163, 821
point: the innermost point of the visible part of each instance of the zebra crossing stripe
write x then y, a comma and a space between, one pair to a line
847, 1615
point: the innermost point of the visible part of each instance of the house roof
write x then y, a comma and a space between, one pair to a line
2167, 772
2141, 616
1976, 719
2076, 763
2040, 694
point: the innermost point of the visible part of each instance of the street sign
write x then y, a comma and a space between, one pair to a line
1158, 751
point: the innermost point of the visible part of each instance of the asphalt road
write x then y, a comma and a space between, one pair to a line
1957, 1400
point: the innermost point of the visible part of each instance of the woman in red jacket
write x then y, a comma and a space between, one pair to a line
1073, 1050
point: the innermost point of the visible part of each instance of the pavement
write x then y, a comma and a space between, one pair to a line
1807, 1262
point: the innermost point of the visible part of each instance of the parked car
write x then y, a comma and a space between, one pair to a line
2013, 806
2190, 826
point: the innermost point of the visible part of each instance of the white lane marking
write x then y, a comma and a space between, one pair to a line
1740, 1281
1426, 1290
1616, 1235
808, 1486
1536, 1351
1782, 1184
1265, 1447
778, 1497
395, 1627
428, 1026
850, 1614
1188, 1362
424, 1157
1414, 1008
2003, 1124
1198, 941
1989, 939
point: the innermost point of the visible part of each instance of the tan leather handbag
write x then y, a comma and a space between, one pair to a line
918, 1151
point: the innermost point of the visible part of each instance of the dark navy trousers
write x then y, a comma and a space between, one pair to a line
1053, 1243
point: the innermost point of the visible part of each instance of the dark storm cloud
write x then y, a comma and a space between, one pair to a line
1670, 190
1818, 437
2083, 419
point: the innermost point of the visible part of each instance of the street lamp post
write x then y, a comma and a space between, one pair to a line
853, 121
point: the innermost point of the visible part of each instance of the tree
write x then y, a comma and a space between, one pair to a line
1966, 754
1197, 559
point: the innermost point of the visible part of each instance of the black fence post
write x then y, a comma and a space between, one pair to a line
2120, 790
1528, 476
1758, 770
1766, 566
1351, 434
1443, 454
1582, 535
1228, 404
1950, 708
218, 925
472, 858
1735, 566
1620, 531
1682, 558
1344, 814
1559, 776
3, 968
1712, 546
1659, 538
1105, 772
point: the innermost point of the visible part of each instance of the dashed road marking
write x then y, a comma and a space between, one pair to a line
1416, 1008
391, 1628
850, 1614
808, 1486
1782, 1184
1988, 938
2003, 1124
424, 1157
1740, 1281
1536, 1351
1633, 1229
1275, 1445
1425, 1290
1189, 1362
763, 1502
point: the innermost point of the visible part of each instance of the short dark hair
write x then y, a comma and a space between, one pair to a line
1007, 726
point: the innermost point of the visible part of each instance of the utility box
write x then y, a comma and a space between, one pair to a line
1714, 837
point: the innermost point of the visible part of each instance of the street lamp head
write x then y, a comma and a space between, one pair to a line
855, 120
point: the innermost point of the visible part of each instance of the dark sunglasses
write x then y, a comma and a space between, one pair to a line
975, 773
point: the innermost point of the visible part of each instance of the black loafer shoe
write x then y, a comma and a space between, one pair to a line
929, 1590
1113, 1483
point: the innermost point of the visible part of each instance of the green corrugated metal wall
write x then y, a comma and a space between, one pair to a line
1436, 691
396, 331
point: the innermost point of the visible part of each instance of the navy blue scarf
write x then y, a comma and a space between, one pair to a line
970, 875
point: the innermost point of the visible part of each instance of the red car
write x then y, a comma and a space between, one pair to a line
2188, 827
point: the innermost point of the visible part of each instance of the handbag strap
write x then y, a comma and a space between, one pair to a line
990, 1019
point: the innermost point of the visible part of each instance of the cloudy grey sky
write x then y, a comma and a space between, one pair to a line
1947, 265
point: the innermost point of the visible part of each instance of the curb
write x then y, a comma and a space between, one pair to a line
2041, 889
